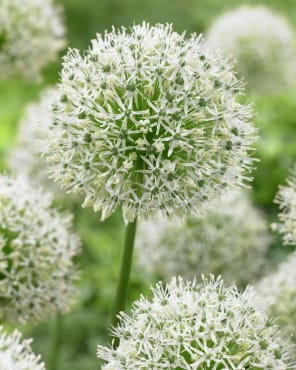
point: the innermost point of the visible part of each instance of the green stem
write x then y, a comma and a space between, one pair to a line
56, 342
125, 269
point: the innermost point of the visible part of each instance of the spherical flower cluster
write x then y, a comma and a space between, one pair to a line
191, 325
23, 159
278, 292
31, 34
286, 198
231, 241
16, 354
148, 120
37, 247
263, 44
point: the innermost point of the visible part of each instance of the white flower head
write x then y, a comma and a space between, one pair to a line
37, 246
286, 198
16, 354
278, 293
23, 159
31, 35
192, 325
164, 102
262, 43
231, 241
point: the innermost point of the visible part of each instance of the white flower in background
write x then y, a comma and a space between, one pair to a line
148, 120
31, 35
286, 198
191, 325
263, 44
16, 354
278, 292
231, 241
23, 158
37, 246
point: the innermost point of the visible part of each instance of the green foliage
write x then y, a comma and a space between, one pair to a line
276, 148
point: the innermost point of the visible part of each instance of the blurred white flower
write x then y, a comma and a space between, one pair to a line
231, 241
263, 44
16, 354
278, 293
191, 325
31, 35
286, 198
37, 246
148, 120
23, 158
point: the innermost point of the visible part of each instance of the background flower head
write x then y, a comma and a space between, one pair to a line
147, 119
192, 325
31, 35
23, 158
263, 44
231, 241
16, 354
286, 199
278, 293
37, 247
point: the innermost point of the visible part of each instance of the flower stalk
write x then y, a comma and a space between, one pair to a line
56, 342
125, 269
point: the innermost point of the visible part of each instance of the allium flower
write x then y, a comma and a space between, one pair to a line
278, 291
37, 248
190, 325
263, 44
286, 198
16, 354
231, 241
31, 34
148, 120
23, 159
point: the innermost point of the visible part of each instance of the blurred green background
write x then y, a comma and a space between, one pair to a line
86, 325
